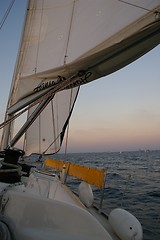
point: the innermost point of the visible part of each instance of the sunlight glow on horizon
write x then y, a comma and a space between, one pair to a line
113, 139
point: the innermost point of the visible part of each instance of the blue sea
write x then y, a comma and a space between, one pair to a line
132, 183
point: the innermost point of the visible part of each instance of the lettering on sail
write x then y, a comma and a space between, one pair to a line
81, 78
49, 84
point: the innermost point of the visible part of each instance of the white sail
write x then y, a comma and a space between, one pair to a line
69, 43
62, 38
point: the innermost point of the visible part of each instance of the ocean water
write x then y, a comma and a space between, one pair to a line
132, 183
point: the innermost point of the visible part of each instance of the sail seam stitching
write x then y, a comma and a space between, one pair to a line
65, 56
39, 38
134, 5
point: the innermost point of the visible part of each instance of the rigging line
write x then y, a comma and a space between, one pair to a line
39, 133
71, 109
51, 144
25, 136
39, 36
134, 5
53, 120
67, 134
56, 111
65, 56
6, 14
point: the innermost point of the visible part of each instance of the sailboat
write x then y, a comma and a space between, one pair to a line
64, 45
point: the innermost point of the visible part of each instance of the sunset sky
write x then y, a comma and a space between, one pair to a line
120, 111
116, 113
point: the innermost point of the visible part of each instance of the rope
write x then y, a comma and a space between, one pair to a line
60, 133
15, 168
6, 14
66, 145
51, 144
137, 6
65, 56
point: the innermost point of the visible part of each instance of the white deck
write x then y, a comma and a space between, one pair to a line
46, 209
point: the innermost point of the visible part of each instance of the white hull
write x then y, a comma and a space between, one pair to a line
44, 208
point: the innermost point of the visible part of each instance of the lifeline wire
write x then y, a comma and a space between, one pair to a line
6, 14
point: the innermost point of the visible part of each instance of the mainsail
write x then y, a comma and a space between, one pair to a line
69, 43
